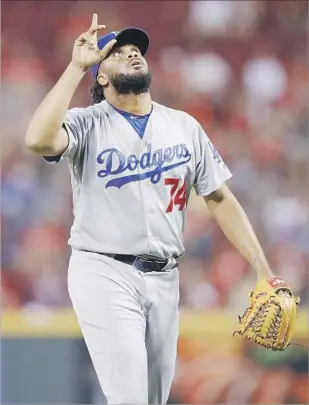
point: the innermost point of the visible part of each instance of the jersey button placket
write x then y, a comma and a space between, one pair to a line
143, 187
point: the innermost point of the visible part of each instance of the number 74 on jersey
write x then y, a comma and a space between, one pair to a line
178, 195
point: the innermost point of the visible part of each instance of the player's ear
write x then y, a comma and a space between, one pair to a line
102, 79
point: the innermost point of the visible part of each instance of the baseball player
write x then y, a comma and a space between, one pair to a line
133, 163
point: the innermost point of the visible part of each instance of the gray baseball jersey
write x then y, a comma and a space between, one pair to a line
130, 194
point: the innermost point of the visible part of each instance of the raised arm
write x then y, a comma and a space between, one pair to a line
45, 134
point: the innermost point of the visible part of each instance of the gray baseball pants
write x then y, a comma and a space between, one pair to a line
130, 323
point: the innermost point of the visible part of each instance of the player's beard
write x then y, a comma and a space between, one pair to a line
136, 84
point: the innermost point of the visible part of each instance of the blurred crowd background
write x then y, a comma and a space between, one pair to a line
240, 68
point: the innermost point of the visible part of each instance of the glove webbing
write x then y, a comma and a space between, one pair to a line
257, 321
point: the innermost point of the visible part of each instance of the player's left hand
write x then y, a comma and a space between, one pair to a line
269, 320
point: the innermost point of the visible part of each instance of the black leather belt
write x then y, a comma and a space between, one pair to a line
141, 263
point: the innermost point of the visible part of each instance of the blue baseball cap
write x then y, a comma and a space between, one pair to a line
134, 36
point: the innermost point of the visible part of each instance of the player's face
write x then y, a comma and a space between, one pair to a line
126, 59
126, 70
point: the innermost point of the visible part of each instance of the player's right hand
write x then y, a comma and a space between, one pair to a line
85, 51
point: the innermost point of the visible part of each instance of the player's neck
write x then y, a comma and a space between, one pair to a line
138, 105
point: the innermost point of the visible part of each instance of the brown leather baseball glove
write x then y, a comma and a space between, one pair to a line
269, 320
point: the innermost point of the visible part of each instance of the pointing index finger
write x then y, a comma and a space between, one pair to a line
94, 25
94, 22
